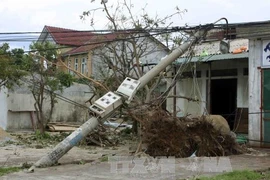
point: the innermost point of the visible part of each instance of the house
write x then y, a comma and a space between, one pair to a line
235, 84
82, 51
93, 54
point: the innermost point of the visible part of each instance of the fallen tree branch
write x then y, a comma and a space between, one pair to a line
187, 98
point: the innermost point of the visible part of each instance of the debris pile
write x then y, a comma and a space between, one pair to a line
102, 136
165, 135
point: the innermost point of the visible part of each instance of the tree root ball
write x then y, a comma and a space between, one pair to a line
165, 135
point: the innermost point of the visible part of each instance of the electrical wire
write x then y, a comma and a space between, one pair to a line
57, 95
98, 42
102, 31
158, 31
12, 36
155, 30
179, 72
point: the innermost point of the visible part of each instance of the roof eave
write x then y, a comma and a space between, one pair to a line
209, 58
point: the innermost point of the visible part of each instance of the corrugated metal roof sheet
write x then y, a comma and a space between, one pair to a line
212, 48
210, 51
214, 57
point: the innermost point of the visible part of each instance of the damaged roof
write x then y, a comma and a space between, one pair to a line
210, 51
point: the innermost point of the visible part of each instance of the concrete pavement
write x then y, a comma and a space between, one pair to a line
92, 164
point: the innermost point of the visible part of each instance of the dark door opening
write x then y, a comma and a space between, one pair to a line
223, 98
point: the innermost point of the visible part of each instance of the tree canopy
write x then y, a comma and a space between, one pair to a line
10, 65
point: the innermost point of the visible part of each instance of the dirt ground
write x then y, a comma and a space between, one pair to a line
4, 136
92, 163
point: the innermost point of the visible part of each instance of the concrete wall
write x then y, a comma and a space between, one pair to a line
3, 108
66, 112
20, 104
197, 88
19, 120
255, 56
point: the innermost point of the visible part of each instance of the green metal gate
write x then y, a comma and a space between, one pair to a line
266, 105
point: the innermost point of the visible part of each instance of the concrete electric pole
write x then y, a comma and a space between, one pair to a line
105, 106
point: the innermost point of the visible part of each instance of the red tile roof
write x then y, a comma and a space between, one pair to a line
79, 50
68, 36
96, 41
84, 41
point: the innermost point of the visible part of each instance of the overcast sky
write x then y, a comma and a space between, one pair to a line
32, 15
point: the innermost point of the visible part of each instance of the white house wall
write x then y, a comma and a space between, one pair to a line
255, 54
242, 91
19, 104
3, 108
153, 54
197, 88
19, 120
187, 88
15, 101
66, 112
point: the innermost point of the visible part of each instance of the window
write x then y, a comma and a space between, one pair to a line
69, 66
76, 64
83, 66
86, 68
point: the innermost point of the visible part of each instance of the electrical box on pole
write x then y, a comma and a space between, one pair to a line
105, 106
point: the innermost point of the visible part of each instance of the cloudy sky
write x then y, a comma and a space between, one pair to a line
32, 15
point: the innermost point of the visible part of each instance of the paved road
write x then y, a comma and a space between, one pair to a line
127, 167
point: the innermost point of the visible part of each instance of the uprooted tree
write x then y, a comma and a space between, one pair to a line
126, 54
131, 49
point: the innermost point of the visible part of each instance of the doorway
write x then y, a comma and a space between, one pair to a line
266, 106
223, 98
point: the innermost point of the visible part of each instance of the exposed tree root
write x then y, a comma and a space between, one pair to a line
165, 135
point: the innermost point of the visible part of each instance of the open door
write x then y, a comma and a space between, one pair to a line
266, 106
223, 99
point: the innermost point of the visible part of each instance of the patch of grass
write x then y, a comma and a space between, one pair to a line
39, 140
82, 162
103, 159
236, 175
41, 136
7, 170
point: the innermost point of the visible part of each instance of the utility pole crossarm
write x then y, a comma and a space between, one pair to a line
105, 106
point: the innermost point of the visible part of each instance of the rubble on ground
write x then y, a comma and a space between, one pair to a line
102, 136
165, 135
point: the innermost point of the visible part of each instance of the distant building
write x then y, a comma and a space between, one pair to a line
84, 51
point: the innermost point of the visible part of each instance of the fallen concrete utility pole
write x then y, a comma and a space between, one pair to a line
110, 102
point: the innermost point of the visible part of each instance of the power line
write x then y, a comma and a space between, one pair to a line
9, 38
159, 29
107, 32
102, 31
154, 30
58, 95
98, 42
